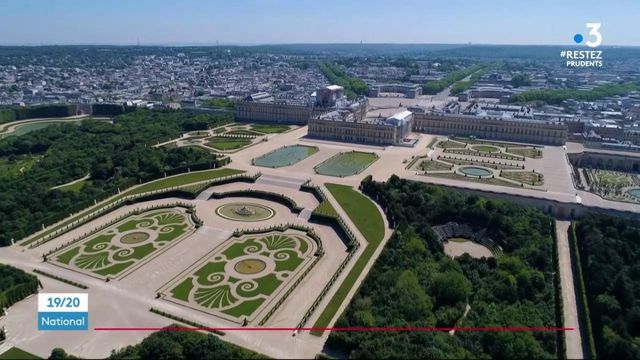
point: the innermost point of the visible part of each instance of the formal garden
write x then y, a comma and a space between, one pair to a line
227, 143
489, 162
346, 164
612, 185
246, 275
117, 248
285, 156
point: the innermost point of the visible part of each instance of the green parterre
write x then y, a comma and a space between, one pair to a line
245, 275
118, 247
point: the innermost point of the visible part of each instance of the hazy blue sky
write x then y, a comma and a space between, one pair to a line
37, 22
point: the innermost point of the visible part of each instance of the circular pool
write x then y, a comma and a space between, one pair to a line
634, 192
245, 212
475, 171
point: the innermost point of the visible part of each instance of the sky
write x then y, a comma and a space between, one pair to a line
250, 22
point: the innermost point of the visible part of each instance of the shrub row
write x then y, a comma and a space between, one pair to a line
584, 316
55, 277
185, 321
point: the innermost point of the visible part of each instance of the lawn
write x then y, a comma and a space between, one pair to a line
433, 165
368, 220
485, 148
75, 187
178, 180
270, 128
17, 166
325, 208
487, 163
183, 179
526, 177
224, 144
17, 354
526, 152
244, 132
451, 144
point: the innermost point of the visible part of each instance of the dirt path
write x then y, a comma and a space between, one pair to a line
569, 308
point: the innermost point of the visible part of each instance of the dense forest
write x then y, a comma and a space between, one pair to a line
336, 74
609, 251
15, 285
556, 96
115, 155
177, 345
8, 114
413, 284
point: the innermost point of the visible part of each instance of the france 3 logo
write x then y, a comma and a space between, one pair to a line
585, 58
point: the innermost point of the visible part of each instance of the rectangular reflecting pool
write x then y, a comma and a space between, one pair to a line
285, 156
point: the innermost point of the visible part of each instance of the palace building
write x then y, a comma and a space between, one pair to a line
488, 127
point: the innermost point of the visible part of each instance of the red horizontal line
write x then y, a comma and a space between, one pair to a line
353, 329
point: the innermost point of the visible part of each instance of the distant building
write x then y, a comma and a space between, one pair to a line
411, 91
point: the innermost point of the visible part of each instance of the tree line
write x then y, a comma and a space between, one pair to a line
609, 248
176, 345
435, 86
15, 285
337, 75
115, 155
8, 114
414, 284
557, 96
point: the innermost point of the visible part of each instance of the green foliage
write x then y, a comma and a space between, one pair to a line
116, 155
608, 249
518, 80
434, 87
556, 96
177, 345
461, 86
110, 109
60, 354
366, 217
15, 353
413, 284
32, 112
15, 285
220, 103
336, 74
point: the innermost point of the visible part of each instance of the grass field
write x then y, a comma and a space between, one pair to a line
369, 221
269, 128
17, 354
178, 180
225, 144
489, 163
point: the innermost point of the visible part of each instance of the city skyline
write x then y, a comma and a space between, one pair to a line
250, 22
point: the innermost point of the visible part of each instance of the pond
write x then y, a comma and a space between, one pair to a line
285, 156
475, 171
